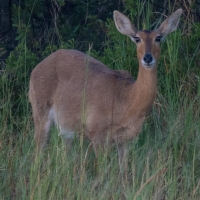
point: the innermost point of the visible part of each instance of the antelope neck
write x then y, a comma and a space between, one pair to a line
144, 89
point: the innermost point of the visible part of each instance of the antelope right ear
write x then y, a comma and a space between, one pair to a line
124, 24
171, 23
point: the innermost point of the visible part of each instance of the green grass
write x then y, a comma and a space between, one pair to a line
163, 162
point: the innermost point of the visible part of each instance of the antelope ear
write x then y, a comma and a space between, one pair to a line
124, 24
171, 23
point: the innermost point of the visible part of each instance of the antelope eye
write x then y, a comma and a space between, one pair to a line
137, 39
158, 39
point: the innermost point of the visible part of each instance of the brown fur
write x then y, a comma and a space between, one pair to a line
80, 94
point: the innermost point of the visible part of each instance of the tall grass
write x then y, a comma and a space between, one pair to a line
163, 162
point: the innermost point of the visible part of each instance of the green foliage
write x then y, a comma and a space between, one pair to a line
55, 22
14, 82
20, 61
21, 17
163, 160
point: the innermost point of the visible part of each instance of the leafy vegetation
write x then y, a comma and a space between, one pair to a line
163, 161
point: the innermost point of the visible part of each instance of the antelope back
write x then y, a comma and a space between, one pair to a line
78, 88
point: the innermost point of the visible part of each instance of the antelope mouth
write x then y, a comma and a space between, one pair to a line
148, 65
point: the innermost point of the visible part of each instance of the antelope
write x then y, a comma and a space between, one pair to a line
79, 94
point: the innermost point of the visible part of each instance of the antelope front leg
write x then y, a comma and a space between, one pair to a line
97, 150
67, 137
123, 160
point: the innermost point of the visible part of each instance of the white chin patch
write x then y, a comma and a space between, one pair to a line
148, 65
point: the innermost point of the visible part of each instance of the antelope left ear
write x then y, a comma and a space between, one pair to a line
124, 24
171, 23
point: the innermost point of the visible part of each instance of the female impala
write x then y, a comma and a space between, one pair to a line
81, 95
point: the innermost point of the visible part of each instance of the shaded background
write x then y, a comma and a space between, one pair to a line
45, 22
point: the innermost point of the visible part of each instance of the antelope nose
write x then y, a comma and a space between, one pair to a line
148, 58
